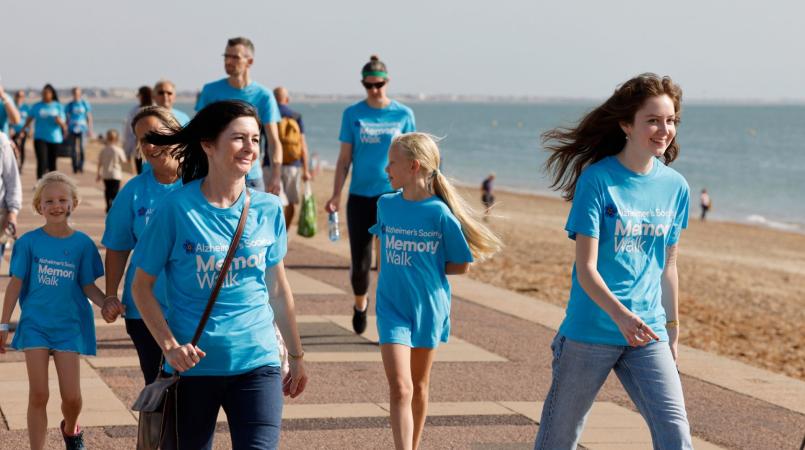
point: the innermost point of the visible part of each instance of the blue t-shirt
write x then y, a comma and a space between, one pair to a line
417, 239
45, 126
130, 213
188, 238
370, 131
3, 117
77, 116
180, 116
255, 94
24, 110
55, 311
635, 217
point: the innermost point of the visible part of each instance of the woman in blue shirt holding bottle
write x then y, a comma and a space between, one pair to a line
367, 128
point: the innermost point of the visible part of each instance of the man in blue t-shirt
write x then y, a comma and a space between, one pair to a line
79, 122
238, 59
165, 96
8, 111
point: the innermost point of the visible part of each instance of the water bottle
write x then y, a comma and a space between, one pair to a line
332, 221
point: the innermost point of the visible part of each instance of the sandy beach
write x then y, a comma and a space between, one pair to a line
742, 287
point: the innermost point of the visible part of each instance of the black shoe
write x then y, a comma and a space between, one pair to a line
73, 442
359, 319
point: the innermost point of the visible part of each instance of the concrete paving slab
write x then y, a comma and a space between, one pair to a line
101, 406
303, 284
456, 350
332, 410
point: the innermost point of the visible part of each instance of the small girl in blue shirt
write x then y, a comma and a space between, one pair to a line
426, 233
53, 272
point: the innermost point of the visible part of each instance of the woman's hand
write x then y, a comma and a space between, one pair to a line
333, 204
295, 381
184, 357
111, 309
673, 341
636, 332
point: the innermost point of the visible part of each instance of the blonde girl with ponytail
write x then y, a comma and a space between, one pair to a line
426, 232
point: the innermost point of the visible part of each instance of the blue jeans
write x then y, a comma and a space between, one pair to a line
252, 402
648, 374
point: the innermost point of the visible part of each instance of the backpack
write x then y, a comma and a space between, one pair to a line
291, 138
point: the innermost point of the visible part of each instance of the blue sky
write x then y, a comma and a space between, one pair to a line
725, 50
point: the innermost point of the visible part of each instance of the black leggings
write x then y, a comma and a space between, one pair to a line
361, 215
46, 154
111, 187
20, 139
147, 349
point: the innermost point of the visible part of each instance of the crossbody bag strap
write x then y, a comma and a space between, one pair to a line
233, 246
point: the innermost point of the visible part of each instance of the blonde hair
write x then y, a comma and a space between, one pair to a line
422, 147
53, 178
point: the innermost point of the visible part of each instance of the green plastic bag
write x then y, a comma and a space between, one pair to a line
307, 216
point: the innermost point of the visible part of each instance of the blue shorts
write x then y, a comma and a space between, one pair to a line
415, 327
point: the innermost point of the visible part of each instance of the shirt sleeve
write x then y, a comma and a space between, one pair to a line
346, 135
269, 110
410, 123
119, 231
11, 176
277, 250
377, 227
456, 248
61, 112
91, 264
153, 250
681, 218
585, 213
88, 106
298, 119
21, 258
202, 101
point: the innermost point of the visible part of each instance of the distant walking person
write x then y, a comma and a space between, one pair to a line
19, 134
706, 203
110, 168
79, 124
629, 209
413, 294
49, 130
487, 194
295, 167
367, 128
238, 85
145, 98
165, 96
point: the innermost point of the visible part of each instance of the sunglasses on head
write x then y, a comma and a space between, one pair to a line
377, 85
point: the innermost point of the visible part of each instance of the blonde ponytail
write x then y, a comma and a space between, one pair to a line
422, 147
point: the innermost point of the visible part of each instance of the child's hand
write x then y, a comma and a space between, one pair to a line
112, 308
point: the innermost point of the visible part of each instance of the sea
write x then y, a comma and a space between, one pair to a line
750, 158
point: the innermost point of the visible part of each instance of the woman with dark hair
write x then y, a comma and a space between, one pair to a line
629, 209
144, 98
49, 129
367, 128
236, 364
132, 209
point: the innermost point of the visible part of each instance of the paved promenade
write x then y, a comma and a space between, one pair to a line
487, 383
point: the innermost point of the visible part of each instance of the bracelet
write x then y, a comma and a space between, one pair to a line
672, 324
299, 356
111, 296
4, 327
